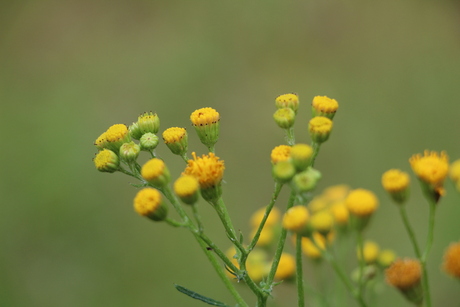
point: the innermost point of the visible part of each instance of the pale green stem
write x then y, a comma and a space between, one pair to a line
174, 223
423, 260
197, 216
290, 138
316, 147
361, 263
268, 209
204, 246
299, 272
184, 157
410, 231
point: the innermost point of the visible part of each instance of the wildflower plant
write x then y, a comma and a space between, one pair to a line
315, 223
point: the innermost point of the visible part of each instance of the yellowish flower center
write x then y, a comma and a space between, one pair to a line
452, 260
153, 169
325, 104
395, 180
116, 132
404, 274
207, 169
280, 153
103, 159
186, 186
173, 135
320, 125
361, 202
204, 116
296, 218
431, 168
147, 201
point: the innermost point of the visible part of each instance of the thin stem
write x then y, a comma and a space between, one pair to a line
122, 170
316, 147
268, 209
299, 272
222, 212
429, 244
184, 157
290, 138
280, 246
361, 263
197, 218
174, 223
410, 231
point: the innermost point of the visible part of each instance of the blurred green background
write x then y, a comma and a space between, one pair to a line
70, 69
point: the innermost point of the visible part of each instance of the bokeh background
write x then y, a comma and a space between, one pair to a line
70, 69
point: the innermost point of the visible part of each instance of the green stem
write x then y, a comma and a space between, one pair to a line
361, 263
316, 147
278, 252
410, 231
268, 209
197, 218
174, 223
290, 138
222, 212
184, 157
299, 272
429, 244
204, 246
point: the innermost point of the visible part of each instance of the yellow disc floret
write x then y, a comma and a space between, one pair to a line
204, 116
370, 251
431, 168
322, 222
186, 185
286, 267
288, 101
280, 153
155, 172
395, 180
116, 133
101, 141
454, 171
296, 218
173, 135
310, 249
320, 128
208, 169
361, 202
325, 104
452, 260
148, 203
340, 213
404, 274
106, 161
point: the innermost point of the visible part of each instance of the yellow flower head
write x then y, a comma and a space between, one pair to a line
320, 128
318, 203
174, 135
288, 101
101, 141
324, 106
322, 222
116, 133
148, 203
404, 274
336, 193
296, 218
208, 169
431, 168
204, 116
280, 153
370, 250
106, 161
340, 213
271, 221
300, 155
286, 267
186, 187
310, 249
394, 181
155, 172
386, 258
361, 202
452, 260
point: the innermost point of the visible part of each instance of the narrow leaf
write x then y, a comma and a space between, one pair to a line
200, 297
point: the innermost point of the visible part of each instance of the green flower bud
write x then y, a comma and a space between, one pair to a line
129, 152
134, 131
283, 171
306, 181
148, 141
284, 118
148, 122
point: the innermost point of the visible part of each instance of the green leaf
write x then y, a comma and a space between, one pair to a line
200, 297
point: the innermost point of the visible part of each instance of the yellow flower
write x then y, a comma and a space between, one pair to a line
324, 106
452, 260
396, 183
370, 250
286, 267
395, 180
386, 257
106, 161
271, 221
300, 155
208, 169
101, 141
336, 192
361, 202
288, 101
404, 274
310, 249
454, 172
340, 213
296, 218
431, 168
204, 116
176, 139
280, 153
155, 172
320, 128
116, 133
148, 202
322, 222
186, 188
